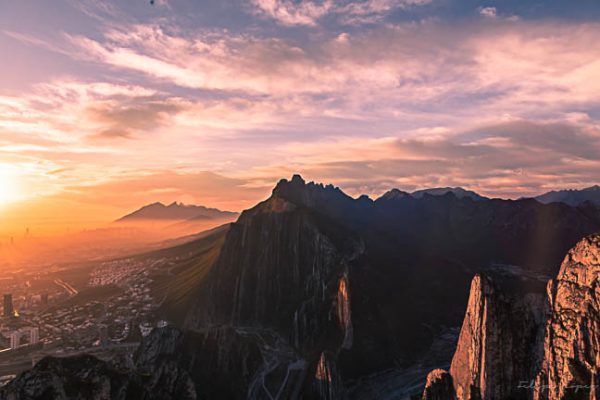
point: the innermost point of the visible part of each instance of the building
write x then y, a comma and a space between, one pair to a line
15, 339
8, 306
34, 335
44, 299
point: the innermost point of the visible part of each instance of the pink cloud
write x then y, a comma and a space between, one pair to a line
390, 106
308, 12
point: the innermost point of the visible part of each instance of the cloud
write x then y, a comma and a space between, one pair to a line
510, 159
488, 12
504, 107
127, 119
308, 12
516, 65
193, 187
287, 12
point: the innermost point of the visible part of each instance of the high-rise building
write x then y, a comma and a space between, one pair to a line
34, 335
15, 339
44, 299
8, 306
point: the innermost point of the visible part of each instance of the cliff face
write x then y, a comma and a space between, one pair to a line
439, 386
497, 344
571, 367
283, 268
517, 345
285, 272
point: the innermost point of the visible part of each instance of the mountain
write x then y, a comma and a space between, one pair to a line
572, 197
353, 287
317, 295
176, 211
457, 191
516, 343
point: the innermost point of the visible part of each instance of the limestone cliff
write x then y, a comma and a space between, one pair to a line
571, 367
513, 345
497, 344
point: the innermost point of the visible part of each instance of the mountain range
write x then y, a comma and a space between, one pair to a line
313, 294
180, 211
175, 211
572, 197
457, 191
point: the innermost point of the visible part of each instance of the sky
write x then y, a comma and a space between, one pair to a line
109, 105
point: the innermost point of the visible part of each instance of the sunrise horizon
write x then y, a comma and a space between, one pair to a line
212, 105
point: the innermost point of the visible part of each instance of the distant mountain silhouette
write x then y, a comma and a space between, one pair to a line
457, 191
572, 197
176, 211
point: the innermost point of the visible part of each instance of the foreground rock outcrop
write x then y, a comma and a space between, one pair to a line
517, 344
167, 365
439, 386
82, 377
571, 367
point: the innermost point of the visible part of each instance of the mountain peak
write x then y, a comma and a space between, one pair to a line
296, 183
572, 197
300, 193
174, 211
393, 195
297, 178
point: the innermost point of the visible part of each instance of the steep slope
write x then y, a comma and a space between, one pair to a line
520, 347
572, 197
178, 287
501, 328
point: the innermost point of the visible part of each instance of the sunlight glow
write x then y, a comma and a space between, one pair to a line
8, 185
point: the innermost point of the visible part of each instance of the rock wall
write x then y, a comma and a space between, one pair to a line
501, 353
571, 367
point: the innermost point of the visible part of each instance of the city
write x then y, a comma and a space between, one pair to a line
44, 314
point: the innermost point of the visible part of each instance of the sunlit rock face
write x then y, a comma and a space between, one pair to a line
514, 345
497, 347
344, 313
571, 367
328, 382
439, 386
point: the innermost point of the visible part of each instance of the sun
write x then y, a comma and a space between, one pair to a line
8, 185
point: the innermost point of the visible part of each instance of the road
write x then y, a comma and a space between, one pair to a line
69, 289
